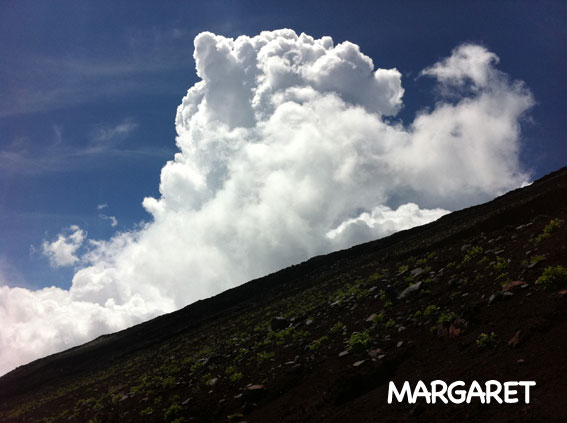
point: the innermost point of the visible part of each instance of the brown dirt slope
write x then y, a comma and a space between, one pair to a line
487, 300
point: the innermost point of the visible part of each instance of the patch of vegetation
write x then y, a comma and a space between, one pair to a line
359, 341
278, 337
553, 226
553, 277
390, 323
235, 377
168, 382
146, 411
300, 335
471, 254
318, 343
173, 414
485, 340
337, 328
501, 264
430, 311
264, 356
447, 318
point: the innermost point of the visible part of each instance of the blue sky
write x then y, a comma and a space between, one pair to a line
89, 92
70, 69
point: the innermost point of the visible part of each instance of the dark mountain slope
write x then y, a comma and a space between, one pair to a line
195, 364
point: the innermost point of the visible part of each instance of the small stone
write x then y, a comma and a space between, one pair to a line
416, 272
186, 401
515, 340
372, 317
410, 290
375, 353
511, 285
507, 294
212, 381
343, 353
381, 356
308, 322
399, 344
359, 363
493, 298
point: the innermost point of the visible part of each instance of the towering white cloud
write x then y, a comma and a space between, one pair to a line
284, 152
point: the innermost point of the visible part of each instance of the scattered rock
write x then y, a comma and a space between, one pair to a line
359, 363
410, 290
375, 353
308, 322
515, 340
255, 392
399, 344
372, 317
494, 297
511, 285
343, 353
465, 247
186, 401
279, 323
416, 272
213, 381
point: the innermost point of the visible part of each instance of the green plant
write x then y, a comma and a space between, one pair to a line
168, 382
501, 264
486, 340
553, 277
235, 417
338, 327
146, 411
263, 356
471, 254
315, 345
390, 323
430, 311
359, 341
551, 227
173, 413
446, 318
235, 377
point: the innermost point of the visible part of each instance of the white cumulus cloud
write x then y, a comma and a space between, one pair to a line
62, 251
285, 151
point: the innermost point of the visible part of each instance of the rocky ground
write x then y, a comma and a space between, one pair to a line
480, 294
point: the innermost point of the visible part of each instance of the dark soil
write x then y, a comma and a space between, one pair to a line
217, 359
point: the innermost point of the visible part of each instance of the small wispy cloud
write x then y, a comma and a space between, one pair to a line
112, 219
56, 82
102, 206
103, 134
